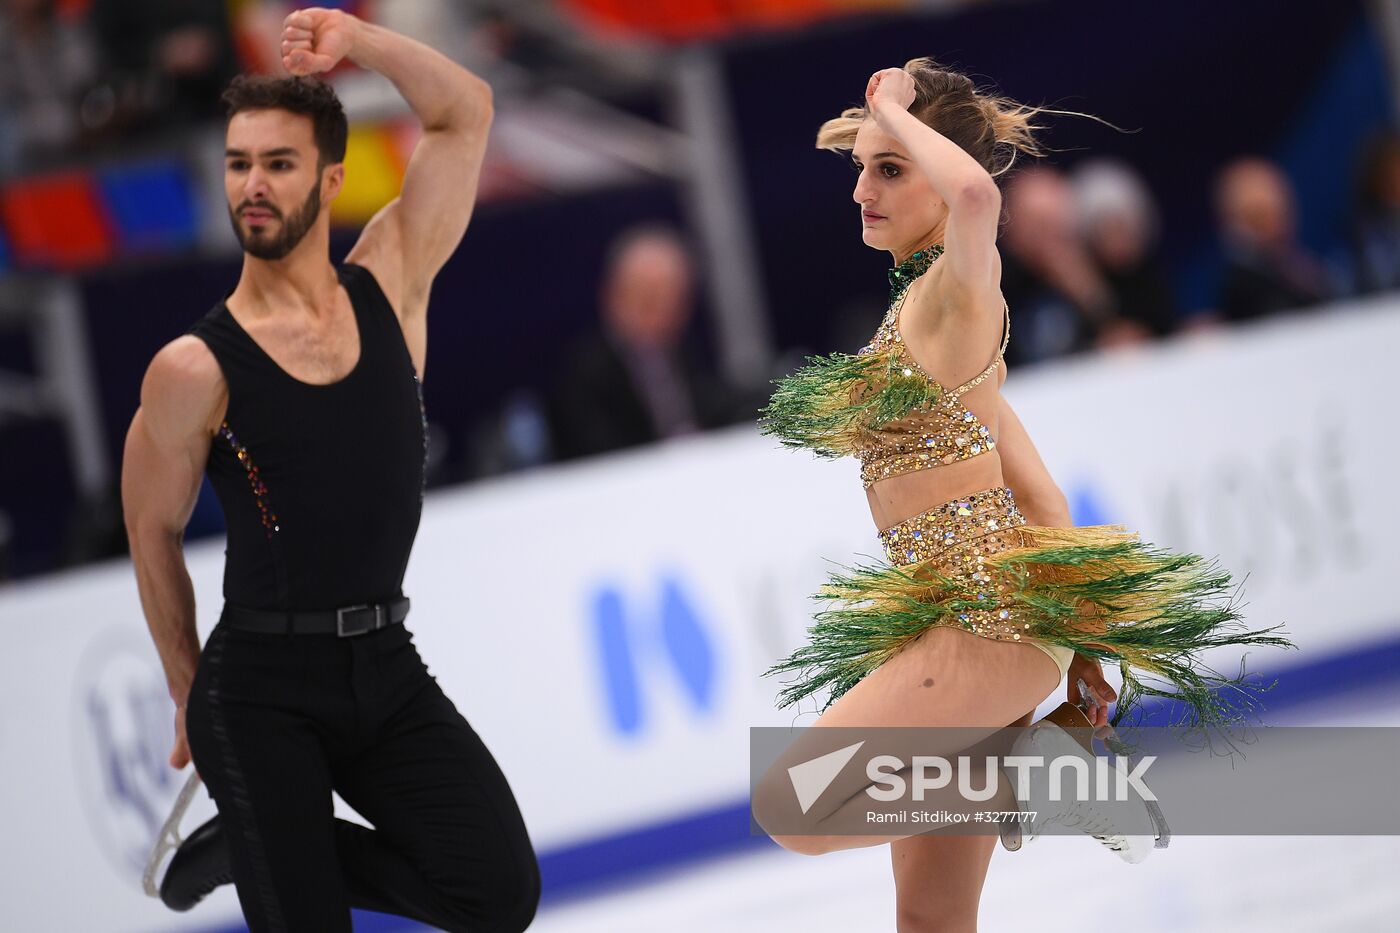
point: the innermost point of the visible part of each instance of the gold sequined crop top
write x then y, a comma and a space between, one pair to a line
879, 405
932, 435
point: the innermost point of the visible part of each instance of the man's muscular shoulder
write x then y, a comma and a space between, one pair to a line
184, 391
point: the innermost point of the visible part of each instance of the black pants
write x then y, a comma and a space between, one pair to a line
275, 722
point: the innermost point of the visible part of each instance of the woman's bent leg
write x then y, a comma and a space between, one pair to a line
945, 678
938, 878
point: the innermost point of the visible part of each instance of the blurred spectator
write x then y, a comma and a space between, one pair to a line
47, 63
1059, 300
1375, 232
164, 62
638, 381
1119, 224
1266, 268
70, 80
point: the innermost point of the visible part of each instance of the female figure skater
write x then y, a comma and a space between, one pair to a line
990, 598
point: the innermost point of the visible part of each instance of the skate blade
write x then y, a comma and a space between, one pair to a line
1160, 828
169, 838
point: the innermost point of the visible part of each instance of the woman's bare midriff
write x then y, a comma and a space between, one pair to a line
899, 498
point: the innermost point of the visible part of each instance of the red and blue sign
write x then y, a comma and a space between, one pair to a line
69, 220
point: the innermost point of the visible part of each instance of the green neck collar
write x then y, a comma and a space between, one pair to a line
904, 274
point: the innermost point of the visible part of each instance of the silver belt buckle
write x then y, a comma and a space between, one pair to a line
346, 628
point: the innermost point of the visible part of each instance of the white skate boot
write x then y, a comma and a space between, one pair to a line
1131, 829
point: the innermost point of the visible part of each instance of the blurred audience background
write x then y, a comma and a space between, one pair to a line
657, 237
637, 379
1374, 235
77, 76
1267, 268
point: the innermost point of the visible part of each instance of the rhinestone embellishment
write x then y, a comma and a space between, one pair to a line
904, 274
955, 540
423, 418
265, 513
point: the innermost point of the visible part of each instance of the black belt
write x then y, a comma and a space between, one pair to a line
350, 620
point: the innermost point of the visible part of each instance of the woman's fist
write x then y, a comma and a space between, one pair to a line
889, 86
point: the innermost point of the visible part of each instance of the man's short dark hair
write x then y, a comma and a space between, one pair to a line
309, 97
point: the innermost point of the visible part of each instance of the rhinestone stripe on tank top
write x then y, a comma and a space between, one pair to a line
945, 431
265, 514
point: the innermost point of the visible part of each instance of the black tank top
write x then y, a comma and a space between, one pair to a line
321, 485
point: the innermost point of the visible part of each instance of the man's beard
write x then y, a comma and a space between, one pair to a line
293, 228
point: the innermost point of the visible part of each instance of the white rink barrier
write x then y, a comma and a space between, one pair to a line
604, 625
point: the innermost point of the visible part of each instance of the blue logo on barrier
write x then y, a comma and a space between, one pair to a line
1085, 506
627, 644
123, 725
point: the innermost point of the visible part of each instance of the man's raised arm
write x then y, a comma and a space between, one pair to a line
407, 242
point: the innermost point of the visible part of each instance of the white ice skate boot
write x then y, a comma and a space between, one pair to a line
1131, 829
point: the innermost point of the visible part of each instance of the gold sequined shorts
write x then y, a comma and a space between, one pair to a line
956, 538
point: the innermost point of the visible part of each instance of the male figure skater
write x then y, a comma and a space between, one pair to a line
299, 394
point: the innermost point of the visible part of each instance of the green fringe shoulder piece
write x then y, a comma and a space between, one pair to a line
828, 403
1107, 595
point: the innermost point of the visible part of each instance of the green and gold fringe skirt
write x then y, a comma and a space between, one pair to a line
975, 563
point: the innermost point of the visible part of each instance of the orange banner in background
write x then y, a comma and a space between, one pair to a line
679, 20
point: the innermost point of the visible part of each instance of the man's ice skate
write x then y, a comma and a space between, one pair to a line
201, 861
